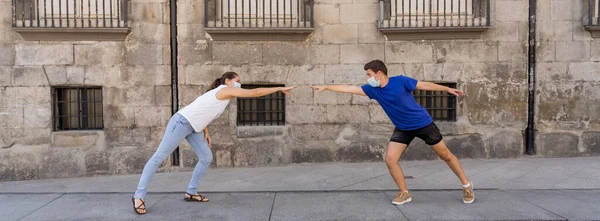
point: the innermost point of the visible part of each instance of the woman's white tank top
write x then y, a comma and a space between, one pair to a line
204, 109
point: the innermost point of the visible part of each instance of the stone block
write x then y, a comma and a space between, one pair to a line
267, 152
146, 75
369, 34
340, 34
35, 136
555, 31
44, 54
6, 76
501, 104
546, 51
119, 116
188, 93
188, 157
512, 51
35, 117
95, 75
580, 34
503, 31
573, 51
77, 139
369, 13
327, 13
360, 99
198, 52
237, 53
418, 150
29, 76
552, 71
145, 54
104, 53
152, 116
444, 72
543, 11
306, 75
366, 151
595, 54
18, 166
456, 51
263, 74
362, 53
415, 71
591, 142
132, 96
347, 114
307, 155
345, 74
324, 54
329, 97
148, 12
190, 32
96, 163
377, 115
62, 163
505, 144
156, 135
150, 33
162, 95
557, 144
223, 158
285, 54
134, 136
301, 95
204, 74
308, 132
11, 117
467, 146
253, 132
191, 12
57, 75
8, 54
588, 71
409, 52
128, 160
28, 96
75, 74
561, 10
299, 114
511, 11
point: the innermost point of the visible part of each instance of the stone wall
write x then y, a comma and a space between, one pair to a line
324, 127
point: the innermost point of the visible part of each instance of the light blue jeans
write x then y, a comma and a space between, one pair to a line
177, 129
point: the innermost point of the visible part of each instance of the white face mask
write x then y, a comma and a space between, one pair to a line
373, 82
236, 84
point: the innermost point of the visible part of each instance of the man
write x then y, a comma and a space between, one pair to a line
411, 120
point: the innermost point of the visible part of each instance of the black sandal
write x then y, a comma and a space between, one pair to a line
139, 207
193, 199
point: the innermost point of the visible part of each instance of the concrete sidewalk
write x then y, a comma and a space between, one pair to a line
514, 189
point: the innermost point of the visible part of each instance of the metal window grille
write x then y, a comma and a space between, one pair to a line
594, 13
440, 105
258, 13
435, 13
77, 108
263, 111
70, 13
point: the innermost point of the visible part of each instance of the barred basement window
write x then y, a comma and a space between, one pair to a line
77, 108
263, 111
440, 105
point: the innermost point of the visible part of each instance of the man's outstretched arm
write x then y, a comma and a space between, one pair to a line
428, 86
340, 88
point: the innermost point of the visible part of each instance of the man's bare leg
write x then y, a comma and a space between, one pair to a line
393, 154
444, 153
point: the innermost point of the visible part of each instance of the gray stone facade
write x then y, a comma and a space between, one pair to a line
326, 127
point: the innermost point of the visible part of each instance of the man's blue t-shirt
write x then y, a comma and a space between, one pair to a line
397, 101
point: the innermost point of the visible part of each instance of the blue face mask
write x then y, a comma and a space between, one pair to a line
236, 84
373, 82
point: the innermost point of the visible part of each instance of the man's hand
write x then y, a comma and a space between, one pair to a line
208, 139
286, 90
319, 88
456, 92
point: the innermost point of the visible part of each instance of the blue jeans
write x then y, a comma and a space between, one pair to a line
177, 129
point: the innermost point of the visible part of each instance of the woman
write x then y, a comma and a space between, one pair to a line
191, 123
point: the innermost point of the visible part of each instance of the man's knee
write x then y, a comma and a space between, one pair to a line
448, 156
391, 160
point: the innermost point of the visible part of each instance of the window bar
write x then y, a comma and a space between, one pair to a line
430, 14
397, 13
118, 13
481, 12
466, 13
235, 21
282, 100
271, 13
312, 14
228, 13
445, 19
221, 14
256, 14
451, 13
23, 13
488, 12
215, 16
243, 9
111, 13
264, 8
59, 13
424, 16
473, 12
90, 14
67, 4
598, 14
283, 13
30, 14
14, 18
437, 16
250, 13
416, 13
304, 11
459, 19
298, 13
96, 1
79, 108
409, 13
37, 11
277, 10
291, 13
93, 101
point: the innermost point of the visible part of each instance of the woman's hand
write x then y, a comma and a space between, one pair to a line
208, 139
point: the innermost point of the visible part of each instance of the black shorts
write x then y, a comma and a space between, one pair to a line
430, 134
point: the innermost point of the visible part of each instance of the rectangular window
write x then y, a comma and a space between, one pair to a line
435, 13
440, 105
262, 111
77, 108
70, 13
258, 13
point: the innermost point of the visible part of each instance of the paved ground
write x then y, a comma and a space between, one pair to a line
515, 189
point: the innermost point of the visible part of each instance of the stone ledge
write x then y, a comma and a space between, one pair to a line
435, 33
77, 139
73, 34
594, 30
260, 131
259, 34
